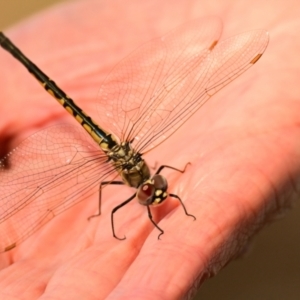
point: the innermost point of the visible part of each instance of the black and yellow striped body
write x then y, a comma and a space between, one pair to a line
105, 140
128, 163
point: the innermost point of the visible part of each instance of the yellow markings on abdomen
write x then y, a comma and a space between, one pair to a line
69, 110
79, 115
61, 101
104, 146
96, 137
87, 128
79, 119
50, 92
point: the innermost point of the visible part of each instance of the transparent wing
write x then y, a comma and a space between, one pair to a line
49, 172
157, 88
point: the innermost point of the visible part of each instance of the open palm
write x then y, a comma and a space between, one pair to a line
242, 146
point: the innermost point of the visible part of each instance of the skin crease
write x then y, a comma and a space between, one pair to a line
243, 148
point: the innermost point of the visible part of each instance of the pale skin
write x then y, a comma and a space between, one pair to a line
243, 150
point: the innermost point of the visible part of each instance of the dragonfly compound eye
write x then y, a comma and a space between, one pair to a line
145, 193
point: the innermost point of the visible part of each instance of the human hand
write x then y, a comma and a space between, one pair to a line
242, 146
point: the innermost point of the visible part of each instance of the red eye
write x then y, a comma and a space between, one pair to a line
145, 193
147, 189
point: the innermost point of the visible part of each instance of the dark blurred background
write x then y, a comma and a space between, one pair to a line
271, 269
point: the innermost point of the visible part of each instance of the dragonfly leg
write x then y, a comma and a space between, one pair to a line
103, 183
151, 219
112, 216
173, 195
183, 206
169, 167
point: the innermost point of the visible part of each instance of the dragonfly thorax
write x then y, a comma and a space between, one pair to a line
129, 164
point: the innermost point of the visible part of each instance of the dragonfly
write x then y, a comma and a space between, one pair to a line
146, 98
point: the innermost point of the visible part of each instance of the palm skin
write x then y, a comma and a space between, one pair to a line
243, 149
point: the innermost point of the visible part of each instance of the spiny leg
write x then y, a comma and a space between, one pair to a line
100, 195
173, 195
172, 168
183, 206
112, 216
151, 219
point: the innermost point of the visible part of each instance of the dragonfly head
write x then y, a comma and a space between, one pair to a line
153, 191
